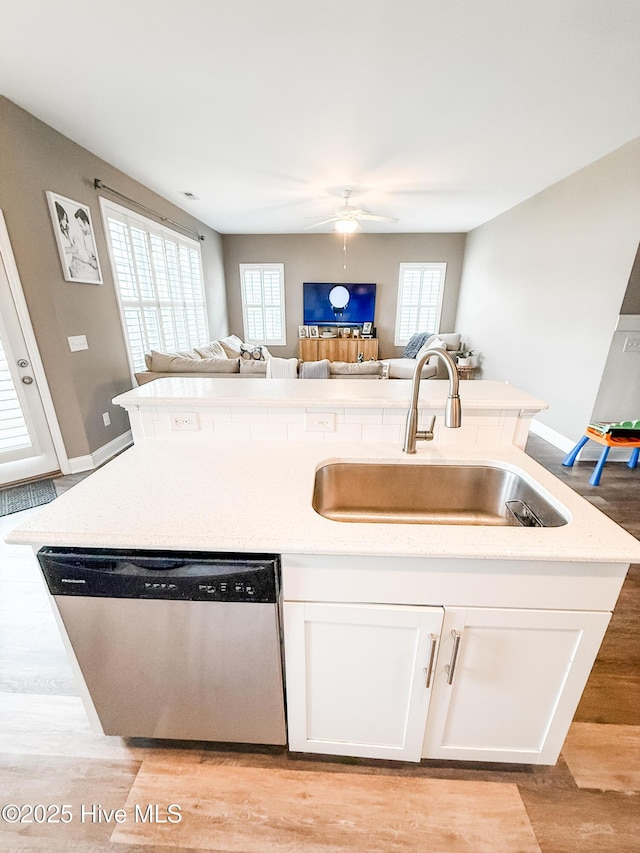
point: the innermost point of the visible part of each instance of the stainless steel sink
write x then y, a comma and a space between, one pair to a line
430, 494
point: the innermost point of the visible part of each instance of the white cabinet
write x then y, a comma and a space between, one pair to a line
412, 682
508, 682
358, 677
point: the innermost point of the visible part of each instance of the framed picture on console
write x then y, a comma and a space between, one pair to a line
367, 328
303, 331
314, 332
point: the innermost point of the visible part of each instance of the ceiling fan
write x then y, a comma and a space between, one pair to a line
347, 217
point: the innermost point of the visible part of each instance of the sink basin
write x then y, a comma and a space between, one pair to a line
430, 494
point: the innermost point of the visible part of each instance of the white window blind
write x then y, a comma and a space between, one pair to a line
420, 292
158, 274
262, 287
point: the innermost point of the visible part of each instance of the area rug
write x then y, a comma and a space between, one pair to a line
26, 496
244, 809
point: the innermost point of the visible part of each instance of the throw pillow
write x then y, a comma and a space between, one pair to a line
213, 349
432, 343
315, 369
255, 353
415, 343
231, 345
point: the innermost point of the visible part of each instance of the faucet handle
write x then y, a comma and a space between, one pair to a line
427, 434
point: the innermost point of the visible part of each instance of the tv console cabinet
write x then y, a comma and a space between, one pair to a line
337, 349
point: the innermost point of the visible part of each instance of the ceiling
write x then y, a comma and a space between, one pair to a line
443, 113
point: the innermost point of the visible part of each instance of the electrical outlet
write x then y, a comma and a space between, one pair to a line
106, 418
185, 421
78, 342
320, 421
631, 345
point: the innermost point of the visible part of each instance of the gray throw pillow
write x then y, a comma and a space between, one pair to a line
415, 343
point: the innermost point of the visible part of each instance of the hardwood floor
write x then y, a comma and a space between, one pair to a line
266, 800
612, 694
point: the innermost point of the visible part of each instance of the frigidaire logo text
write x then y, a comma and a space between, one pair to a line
72, 580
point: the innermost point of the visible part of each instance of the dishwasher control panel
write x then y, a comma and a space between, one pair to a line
191, 576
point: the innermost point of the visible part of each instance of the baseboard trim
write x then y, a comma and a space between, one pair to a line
552, 436
78, 464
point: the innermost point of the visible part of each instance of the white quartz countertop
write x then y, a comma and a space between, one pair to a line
347, 393
256, 497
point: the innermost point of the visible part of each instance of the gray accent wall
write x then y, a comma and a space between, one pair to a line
543, 285
35, 158
320, 257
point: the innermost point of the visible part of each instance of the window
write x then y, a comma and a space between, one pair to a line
158, 274
262, 287
420, 292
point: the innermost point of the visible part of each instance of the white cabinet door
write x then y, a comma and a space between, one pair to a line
508, 682
358, 677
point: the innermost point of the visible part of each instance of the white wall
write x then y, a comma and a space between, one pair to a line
542, 286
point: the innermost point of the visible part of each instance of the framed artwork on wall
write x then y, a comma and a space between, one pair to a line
75, 239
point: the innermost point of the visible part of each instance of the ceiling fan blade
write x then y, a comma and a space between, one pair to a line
324, 222
378, 218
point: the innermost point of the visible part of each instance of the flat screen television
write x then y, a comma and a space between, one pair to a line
332, 304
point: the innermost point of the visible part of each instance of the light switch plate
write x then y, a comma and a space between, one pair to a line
78, 342
631, 345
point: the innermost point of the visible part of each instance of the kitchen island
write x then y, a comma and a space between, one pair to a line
402, 641
323, 410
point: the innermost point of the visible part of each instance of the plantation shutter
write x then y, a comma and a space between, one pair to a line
420, 292
262, 287
160, 283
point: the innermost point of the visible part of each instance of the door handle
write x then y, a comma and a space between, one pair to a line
28, 380
428, 670
450, 668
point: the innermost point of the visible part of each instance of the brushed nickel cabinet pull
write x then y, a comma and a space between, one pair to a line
450, 668
428, 670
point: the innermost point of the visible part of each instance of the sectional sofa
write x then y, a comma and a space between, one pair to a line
230, 358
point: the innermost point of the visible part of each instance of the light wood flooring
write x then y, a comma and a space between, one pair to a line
265, 800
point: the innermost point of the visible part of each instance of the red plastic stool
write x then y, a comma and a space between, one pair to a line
608, 442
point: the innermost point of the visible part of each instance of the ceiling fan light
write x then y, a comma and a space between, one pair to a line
346, 226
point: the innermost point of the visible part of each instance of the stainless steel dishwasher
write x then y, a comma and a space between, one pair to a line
174, 645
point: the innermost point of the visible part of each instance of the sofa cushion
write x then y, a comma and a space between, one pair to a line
349, 370
162, 362
186, 353
252, 368
403, 368
213, 349
452, 340
231, 345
